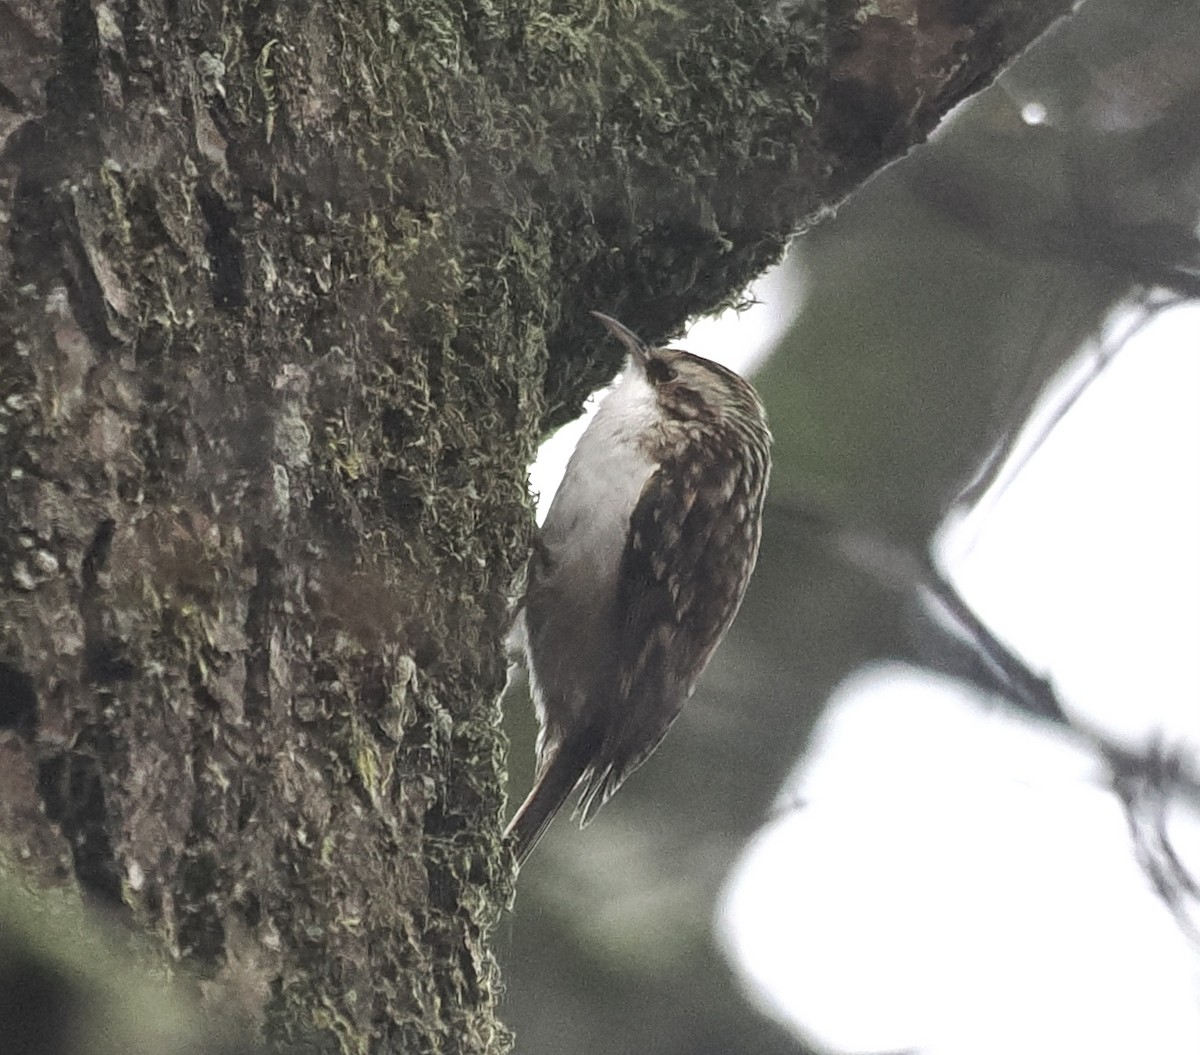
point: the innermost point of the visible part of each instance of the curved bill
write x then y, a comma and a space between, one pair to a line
637, 349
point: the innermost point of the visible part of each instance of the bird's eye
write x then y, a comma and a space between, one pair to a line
659, 372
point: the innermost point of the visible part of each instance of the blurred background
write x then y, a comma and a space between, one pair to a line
983, 375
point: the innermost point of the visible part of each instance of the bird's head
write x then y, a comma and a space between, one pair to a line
688, 387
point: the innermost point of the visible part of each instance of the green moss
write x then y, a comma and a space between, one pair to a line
419, 204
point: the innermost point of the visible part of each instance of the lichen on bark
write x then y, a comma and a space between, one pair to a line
289, 294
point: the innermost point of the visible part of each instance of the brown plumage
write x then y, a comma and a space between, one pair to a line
640, 568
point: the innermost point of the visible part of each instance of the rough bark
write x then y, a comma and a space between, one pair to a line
288, 293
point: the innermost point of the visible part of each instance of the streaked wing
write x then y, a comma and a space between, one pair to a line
692, 541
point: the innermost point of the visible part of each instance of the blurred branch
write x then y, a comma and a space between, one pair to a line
1028, 692
912, 573
1146, 781
1146, 784
1021, 440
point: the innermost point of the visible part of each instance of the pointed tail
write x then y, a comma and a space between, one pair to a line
555, 782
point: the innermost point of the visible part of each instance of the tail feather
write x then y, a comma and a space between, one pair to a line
555, 782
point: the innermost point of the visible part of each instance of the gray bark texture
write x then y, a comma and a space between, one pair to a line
289, 293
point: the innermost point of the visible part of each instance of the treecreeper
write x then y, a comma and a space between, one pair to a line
638, 572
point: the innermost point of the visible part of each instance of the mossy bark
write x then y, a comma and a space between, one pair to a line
288, 294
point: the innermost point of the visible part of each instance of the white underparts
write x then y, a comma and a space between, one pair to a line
567, 618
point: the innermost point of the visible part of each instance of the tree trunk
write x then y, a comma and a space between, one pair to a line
288, 294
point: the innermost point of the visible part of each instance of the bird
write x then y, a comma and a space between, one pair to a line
637, 573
